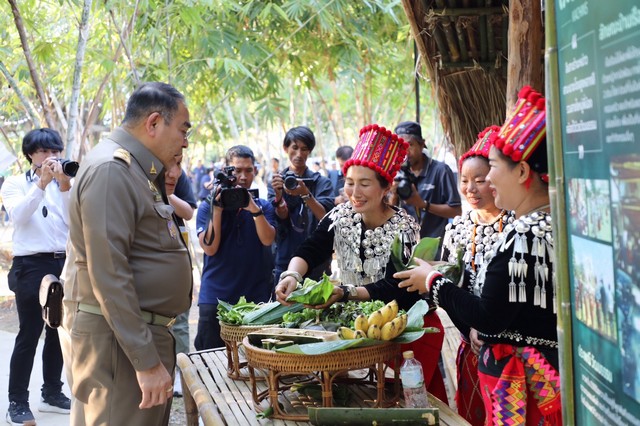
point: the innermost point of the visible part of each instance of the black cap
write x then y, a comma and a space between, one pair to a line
409, 128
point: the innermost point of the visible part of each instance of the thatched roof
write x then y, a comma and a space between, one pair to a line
463, 44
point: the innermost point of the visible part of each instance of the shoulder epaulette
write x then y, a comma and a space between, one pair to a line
122, 154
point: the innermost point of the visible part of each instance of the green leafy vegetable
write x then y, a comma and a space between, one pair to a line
313, 292
322, 348
233, 314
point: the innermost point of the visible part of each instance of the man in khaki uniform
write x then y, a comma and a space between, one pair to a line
131, 274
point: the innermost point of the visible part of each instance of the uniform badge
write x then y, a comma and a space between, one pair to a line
152, 170
122, 154
172, 229
157, 197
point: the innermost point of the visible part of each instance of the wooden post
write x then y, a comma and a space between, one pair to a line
525, 48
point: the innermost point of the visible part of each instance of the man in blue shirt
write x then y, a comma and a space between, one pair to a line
301, 198
236, 243
434, 196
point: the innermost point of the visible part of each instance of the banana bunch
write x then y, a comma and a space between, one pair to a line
383, 324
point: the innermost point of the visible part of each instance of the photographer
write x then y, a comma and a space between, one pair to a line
236, 237
38, 203
425, 187
301, 198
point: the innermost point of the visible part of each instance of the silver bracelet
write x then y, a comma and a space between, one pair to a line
294, 274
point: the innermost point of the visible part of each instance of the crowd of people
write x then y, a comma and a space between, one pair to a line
118, 229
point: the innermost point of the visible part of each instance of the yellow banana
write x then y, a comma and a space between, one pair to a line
376, 318
388, 331
360, 334
394, 308
400, 325
346, 333
374, 332
361, 323
386, 311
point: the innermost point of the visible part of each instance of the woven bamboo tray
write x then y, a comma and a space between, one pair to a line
324, 369
232, 336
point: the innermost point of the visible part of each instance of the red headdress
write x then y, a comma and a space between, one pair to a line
380, 150
482, 145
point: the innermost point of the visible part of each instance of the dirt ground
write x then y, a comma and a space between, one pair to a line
9, 323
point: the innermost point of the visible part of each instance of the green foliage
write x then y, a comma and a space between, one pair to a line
289, 61
312, 292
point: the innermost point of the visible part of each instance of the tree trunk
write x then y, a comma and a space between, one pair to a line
127, 52
42, 96
83, 35
525, 48
33, 116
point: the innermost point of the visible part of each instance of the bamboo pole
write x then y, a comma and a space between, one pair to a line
558, 210
468, 11
471, 38
464, 53
440, 42
369, 416
450, 35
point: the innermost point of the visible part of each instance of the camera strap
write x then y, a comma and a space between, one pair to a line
212, 202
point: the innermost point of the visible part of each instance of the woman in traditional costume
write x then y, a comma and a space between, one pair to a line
513, 306
361, 232
471, 235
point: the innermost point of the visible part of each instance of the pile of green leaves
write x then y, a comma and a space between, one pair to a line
250, 313
234, 314
312, 292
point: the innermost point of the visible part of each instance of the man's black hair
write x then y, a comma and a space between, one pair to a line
344, 152
240, 151
41, 139
152, 97
300, 134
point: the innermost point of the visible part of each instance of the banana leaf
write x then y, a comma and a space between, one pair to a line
312, 292
322, 348
426, 249
269, 313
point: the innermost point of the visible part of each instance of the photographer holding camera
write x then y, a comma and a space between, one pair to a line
38, 203
425, 187
301, 198
235, 230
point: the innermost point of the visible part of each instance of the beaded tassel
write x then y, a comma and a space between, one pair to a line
536, 289
512, 291
543, 300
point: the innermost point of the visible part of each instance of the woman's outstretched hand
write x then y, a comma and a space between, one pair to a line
414, 279
284, 288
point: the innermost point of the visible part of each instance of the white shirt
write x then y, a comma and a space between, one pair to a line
27, 204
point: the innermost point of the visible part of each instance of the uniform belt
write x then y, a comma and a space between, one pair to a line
148, 317
52, 255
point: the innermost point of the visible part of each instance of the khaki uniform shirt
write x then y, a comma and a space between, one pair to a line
128, 251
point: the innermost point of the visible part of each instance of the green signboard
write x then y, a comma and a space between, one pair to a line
598, 44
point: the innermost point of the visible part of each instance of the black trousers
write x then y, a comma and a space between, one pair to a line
24, 280
208, 335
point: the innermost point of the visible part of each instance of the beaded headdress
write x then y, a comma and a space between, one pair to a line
483, 144
525, 128
380, 150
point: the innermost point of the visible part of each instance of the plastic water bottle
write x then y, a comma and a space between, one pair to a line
415, 392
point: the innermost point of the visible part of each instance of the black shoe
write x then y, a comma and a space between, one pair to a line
56, 403
20, 414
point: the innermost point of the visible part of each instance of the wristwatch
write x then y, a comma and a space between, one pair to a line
305, 197
258, 213
293, 274
347, 292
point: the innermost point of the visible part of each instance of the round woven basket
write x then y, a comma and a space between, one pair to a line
235, 333
340, 360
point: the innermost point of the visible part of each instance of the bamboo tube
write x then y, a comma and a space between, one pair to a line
440, 42
482, 30
471, 37
454, 50
368, 416
558, 210
464, 54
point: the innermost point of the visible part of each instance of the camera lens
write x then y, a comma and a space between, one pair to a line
290, 182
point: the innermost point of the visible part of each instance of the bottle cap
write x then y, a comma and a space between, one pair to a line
407, 354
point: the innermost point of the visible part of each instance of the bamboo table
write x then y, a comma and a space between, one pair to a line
220, 400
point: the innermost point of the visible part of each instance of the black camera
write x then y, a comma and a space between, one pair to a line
405, 179
231, 197
69, 168
291, 180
